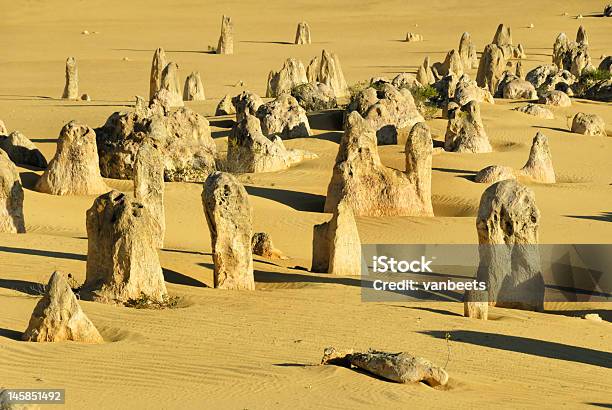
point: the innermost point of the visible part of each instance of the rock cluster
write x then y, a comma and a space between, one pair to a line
225, 106
261, 244
122, 259
328, 71
465, 131
11, 197
555, 98
572, 56
249, 150
170, 85
228, 214
413, 37
58, 317
21, 150
246, 102
547, 78
539, 166
515, 88
507, 226
365, 185
491, 68
74, 170
182, 136
390, 111
283, 117
336, 247
284, 81
425, 75
315, 96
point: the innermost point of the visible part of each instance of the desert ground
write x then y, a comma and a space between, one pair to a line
260, 349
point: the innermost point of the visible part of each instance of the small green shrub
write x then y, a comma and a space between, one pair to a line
145, 302
424, 98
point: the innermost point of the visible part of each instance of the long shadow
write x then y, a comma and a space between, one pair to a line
180, 279
276, 277
330, 120
186, 251
300, 201
43, 140
223, 123
29, 179
25, 97
167, 51
529, 346
11, 334
220, 134
604, 216
604, 314
333, 136
454, 170
48, 254
92, 105
23, 286
552, 128
432, 310
267, 42
602, 405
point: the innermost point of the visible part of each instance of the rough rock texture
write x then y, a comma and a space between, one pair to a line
3, 130
193, 90
157, 66
572, 56
71, 88
467, 52
537, 111
122, 260
74, 170
588, 124
228, 213
290, 76
425, 74
515, 88
465, 131
284, 118
246, 102
419, 151
539, 166
302, 35
226, 39
413, 37
556, 98
600, 91
581, 36
336, 247
608, 11
503, 36
315, 96
476, 304
397, 367
11, 197
405, 80
225, 106
21, 150
330, 73
547, 78
170, 83
58, 317
604, 65
149, 186
312, 71
494, 173
451, 65
183, 137
261, 245
468, 90
519, 72
249, 150
491, 68
507, 226
363, 183
391, 111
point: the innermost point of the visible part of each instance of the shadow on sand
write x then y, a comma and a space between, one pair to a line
47, 254
528, 346
300, 201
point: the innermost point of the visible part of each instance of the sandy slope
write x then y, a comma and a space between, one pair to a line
255, 349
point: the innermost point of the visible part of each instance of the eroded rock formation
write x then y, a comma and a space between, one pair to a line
11, 197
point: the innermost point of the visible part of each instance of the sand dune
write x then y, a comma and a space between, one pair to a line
259, 350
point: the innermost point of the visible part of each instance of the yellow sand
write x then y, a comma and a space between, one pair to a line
256, 350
